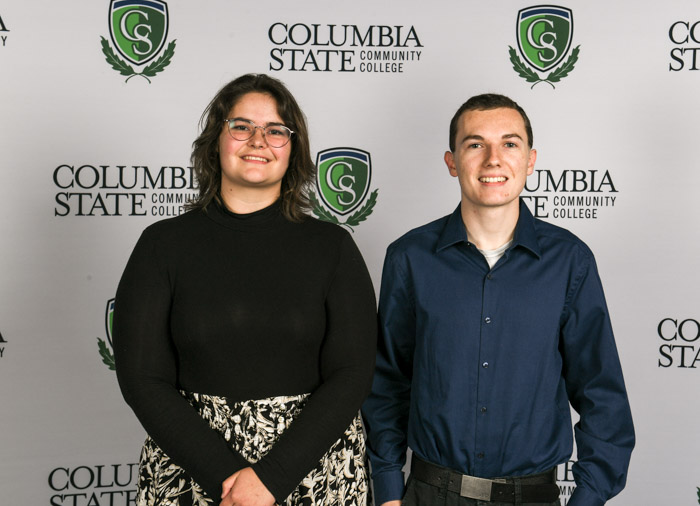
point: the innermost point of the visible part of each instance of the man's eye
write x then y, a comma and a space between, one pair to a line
474, 146
240, 127
511, 145
276, 131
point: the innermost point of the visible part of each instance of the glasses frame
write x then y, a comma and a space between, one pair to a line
262, 130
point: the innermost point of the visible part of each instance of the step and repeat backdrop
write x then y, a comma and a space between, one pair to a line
101, 102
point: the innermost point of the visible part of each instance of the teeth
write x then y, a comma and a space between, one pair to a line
257, 158
500, 179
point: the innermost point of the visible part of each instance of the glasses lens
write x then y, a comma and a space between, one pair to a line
277, 135
240, 130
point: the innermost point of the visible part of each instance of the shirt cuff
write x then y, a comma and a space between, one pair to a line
388, 486
584, 497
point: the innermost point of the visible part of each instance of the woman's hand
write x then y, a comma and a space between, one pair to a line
244, 488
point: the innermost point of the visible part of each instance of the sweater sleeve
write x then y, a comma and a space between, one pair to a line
147, 370
346, 364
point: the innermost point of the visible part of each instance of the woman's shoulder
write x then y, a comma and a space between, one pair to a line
329, 231
175, 227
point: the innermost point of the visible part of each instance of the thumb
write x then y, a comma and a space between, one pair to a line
227, 485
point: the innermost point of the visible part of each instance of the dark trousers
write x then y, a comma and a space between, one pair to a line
419, 493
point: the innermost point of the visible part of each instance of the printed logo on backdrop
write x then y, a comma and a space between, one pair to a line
138, 30
343, 178
565, 481
122, 190
680, 343
3, 342
544, 34
94, 485
3, 32
105, 350
685, 36
570, 194
383, 49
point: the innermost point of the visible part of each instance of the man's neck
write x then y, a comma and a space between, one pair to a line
488, 228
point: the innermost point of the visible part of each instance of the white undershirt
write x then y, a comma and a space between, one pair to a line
493, 255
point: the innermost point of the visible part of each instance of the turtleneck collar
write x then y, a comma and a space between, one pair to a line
261, 219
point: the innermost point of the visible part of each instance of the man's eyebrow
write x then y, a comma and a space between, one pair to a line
477, 137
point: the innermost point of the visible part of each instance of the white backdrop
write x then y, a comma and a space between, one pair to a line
620, 127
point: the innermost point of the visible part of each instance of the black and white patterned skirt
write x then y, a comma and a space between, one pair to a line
252, 427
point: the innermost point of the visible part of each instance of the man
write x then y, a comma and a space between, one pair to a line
493, 322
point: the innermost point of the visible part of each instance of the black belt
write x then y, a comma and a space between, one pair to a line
540, 487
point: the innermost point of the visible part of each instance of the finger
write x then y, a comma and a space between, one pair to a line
227, 485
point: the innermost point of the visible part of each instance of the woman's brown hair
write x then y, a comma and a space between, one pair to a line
205, 149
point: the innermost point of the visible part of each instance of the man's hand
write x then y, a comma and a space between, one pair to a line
244, 488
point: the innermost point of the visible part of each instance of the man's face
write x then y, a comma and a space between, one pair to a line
491, 158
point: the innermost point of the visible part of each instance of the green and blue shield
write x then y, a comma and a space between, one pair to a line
138, 28
109, 320
343, 176
544, 35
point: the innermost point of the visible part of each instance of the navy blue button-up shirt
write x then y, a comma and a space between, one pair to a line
476, 367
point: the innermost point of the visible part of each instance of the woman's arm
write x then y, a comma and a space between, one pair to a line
147, 368
346, 366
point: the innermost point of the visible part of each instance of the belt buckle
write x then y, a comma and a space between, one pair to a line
476, 488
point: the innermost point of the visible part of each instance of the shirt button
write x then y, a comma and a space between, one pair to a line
488, 276
485, 365
483, 409
487, 319
480, 455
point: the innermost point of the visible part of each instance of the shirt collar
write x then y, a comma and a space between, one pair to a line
525, 235
454, 231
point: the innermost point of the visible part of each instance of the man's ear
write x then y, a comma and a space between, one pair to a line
531, 161
450, 162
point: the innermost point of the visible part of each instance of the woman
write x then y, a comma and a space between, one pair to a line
244, 330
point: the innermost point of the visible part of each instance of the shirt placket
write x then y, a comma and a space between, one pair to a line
485, 375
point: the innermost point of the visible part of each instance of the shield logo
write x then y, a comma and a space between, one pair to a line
343, 177
138, 28
109, 319
544, 35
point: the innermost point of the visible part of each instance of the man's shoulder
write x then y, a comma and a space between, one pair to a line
550, 235
421, 238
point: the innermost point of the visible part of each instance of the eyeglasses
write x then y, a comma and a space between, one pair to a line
275, 135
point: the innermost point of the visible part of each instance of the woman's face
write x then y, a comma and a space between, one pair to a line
252, 165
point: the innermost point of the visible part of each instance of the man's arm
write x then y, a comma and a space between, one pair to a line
386, 409
596, 390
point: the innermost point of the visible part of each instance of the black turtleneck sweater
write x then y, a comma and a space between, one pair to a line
244, 307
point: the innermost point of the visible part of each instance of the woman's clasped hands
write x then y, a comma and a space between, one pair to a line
244, 488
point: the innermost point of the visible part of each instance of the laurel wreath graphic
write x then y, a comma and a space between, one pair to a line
353, 220
107, 356
532, 77
127, 70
